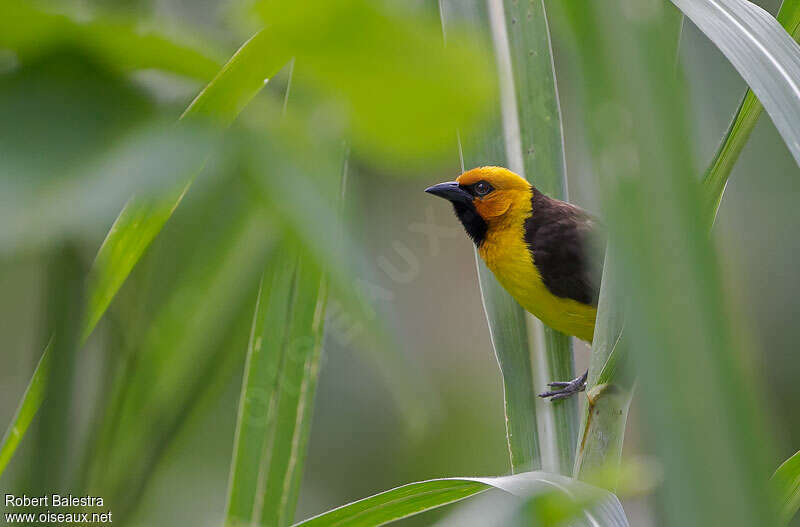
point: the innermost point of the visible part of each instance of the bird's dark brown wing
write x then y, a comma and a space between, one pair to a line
567, 246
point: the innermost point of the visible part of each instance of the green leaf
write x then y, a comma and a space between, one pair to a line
31, 32
605, 428
190, 343
149, 161
700, 410
555, 508
527, 138
277, 395
763, 53
750, 109
47, 134
142, 219
31, 401
528, 85
139, 222
239, 80
609, 389
508, 326
383, 67
121, 251
415, 498
786, 485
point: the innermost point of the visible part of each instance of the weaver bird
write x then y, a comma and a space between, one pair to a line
543, 251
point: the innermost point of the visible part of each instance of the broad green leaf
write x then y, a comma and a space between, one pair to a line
531, 113
716, 176
699, 408
140, 222
608, 390
30, 32
382, 67
415, 498
527, 139
558, 509
508, 327
607, 425
763, 53
47, 135
148, 161
786, 484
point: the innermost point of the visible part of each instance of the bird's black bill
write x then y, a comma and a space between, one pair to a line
450, 191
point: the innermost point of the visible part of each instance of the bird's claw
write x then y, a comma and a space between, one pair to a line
566, 389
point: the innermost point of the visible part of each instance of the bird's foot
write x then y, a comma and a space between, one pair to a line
566, 389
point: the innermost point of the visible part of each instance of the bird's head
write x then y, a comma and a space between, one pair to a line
484, 196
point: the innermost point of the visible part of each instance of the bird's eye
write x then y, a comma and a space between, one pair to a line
482, 188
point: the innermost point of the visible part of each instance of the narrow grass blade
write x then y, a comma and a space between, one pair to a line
750, 109
578, 499
31, 400
121, 251
256, 406
140, 222
30, 31
786, 484
239, 80
507, 320
710, 445
763, 53
277, 395
190, 344
281, 374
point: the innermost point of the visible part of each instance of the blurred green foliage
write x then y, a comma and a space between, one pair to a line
85, 136
119, 44
389, 71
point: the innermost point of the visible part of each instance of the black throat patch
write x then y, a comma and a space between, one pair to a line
475, 226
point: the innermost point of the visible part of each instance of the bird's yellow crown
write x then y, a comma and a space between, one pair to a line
499, 177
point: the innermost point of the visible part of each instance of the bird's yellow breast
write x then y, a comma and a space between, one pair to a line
507, 254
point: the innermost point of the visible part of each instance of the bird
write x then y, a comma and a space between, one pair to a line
545, 252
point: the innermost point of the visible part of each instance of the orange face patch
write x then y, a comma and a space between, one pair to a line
508, 189
494, 204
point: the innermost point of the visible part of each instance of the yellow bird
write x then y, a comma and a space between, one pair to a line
543, 251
